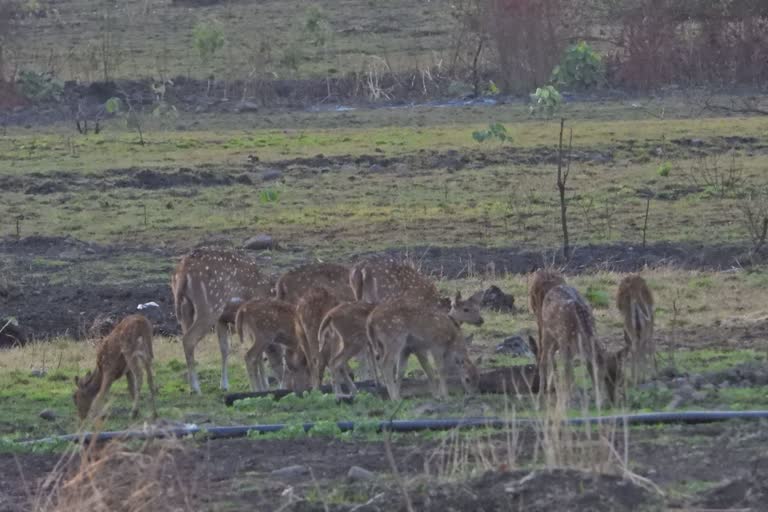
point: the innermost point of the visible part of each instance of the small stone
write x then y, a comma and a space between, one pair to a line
291, 472
356, 473
197, 418
38, 372
48, 415
247, 106
375, 168
260, 242
514, 345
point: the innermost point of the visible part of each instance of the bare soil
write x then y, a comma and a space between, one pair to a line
231, 474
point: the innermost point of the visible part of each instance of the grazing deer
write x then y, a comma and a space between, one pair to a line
569, 328
207, 287
270, 322
292, 285
381, 280
342, 335
310, 311
396, 325
635, 302
127, 350
539, 284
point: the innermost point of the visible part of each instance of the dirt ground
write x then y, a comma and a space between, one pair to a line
229, 474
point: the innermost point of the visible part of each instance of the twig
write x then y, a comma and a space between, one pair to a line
393, 465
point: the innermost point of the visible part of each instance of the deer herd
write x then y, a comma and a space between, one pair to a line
379, 312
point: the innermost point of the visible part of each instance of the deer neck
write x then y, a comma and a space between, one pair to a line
457, 323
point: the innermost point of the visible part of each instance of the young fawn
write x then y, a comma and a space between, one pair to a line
208, 285
127, 350
270, 322
310, 311
635, 302
569, 328
539, 284
342, 335
293, 284
396, 325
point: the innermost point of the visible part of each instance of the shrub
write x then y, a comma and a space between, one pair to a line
580, 68
495, 131
208, 39
37, 86
546, 101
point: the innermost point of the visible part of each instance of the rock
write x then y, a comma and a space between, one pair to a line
197, 418
48, 415
515, 346
291, 472
271, 175
699, 396
260, 242
496, 300
38, 372
358, 474
375, 168
246, 106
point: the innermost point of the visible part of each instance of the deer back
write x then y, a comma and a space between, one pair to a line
293, 284
382, 280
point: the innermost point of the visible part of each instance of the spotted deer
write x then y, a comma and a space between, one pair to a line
539, 284
342, 335
569, 328
381, 280
208, 285
293, 284
635, 302
310, 311
269, 323
127, 350
395, 326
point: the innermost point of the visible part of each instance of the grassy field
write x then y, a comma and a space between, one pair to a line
155, 38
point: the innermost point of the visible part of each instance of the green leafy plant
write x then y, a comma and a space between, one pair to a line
115, 106
492, 89
546, 101
208, 39
581, 67
495, 131
39, 86
269, 195
316, 27
597, 297
664, 169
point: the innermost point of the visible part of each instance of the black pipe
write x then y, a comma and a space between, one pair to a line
686, 417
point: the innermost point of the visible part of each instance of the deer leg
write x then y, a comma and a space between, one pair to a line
151, 384
96, 405
137, 381
440, 354
189, 340
222, 331
255, 367
432, 377
390, 370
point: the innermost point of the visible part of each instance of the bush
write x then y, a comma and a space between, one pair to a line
37, 86
580, 68
546, 101
208, 39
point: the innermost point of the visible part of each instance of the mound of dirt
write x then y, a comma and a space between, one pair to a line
64, 247
546, 490
154, 180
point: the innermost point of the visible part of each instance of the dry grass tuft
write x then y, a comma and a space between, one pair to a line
116, 477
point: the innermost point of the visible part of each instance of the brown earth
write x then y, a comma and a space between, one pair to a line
728, 460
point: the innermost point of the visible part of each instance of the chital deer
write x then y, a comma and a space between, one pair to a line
396, 325
539, 284
207, 287
342, 335
310, 311
293, 284
381, 280
270, 322
635, 302
127, 350
569, 328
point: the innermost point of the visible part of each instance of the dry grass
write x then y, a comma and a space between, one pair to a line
114, 477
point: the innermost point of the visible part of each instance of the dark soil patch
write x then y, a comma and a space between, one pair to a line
239, 472
184, 177
456, 262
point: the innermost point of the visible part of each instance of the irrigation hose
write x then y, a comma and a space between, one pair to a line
225, 432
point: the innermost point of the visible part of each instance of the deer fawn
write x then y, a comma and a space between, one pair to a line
539, 284
342, 335
207, 287
127, 350
310, 311
269, 322
396, 325
381, 280
292, 285
635, 302
569, 328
